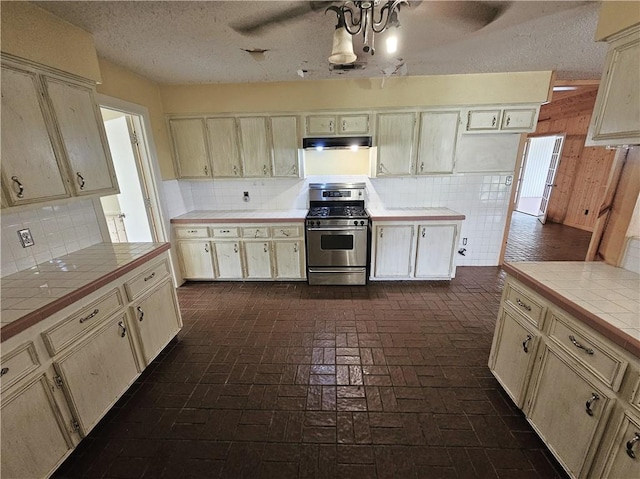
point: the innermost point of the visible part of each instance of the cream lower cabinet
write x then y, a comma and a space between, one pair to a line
257, 259
228, 259
289, 259
63, 374
574, 386
414, 250
35, 439
196, 259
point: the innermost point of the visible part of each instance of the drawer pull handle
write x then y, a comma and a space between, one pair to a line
151, 276
92, 315
80, 180
139, 310
20, 193
594, 397
235, 248
206, 248
578, 345
525, 343
235, 170
265, 248
264, 169
284, 233
523, 305
4, 371
123, 329
508, 120
493, 122
206, 170
636, 438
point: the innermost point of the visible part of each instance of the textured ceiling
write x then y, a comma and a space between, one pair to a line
193, 42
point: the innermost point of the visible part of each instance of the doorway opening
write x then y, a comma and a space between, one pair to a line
129, 214
537, 175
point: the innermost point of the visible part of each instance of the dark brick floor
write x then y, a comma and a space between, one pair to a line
287, 380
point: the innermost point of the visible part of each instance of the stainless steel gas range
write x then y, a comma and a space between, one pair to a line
337, 234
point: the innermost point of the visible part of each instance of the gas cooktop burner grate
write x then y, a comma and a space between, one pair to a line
337, 212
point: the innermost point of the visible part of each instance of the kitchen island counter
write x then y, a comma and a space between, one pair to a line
414, 214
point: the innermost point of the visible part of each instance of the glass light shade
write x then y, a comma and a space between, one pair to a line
342, 51
392, 43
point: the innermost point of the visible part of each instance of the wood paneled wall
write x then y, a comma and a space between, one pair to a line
583, 172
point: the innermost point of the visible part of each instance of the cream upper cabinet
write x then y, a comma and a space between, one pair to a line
284, 139
189, 147
395, 142
393, 250
519, 119
196, 259
80, 125
321, 125
508, 119
337, 124
437, 142
255, 146
616, 115
435, 249
222, 134
257, 259
289, 259
353, 124
34, 437
31, 171
483, 120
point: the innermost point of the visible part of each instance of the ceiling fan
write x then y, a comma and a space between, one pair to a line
472, 14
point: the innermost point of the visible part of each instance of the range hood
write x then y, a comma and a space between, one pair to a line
336, 142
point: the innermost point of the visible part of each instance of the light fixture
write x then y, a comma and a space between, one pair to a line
366, 17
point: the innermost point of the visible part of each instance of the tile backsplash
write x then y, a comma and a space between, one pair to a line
482, 198
56, 230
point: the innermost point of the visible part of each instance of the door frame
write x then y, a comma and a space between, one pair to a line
542, 216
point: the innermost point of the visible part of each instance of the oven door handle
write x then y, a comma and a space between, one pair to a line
338, 228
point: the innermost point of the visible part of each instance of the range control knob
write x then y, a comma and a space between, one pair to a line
318, 223
355, 223
362, 223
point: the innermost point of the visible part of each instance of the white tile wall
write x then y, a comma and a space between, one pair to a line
631, 260
482, 198
57, 230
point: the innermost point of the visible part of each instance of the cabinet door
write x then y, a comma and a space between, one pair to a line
289, 259
394, 139
512, 354
34, 438
393, 251
353, 124
97, 371
284, 137
483, 120
30, 169
434, 256
623, 459
80, 124
616, 116
519, 119
227, 254
257, 257
196, 259
321, 125
157, 319
568, 412
256, 151
189, 147
223, 147
437, 142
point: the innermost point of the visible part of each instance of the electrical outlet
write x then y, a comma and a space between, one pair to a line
245, 196
25, 238
508, 181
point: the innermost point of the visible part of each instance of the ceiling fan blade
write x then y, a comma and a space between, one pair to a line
297, 10
473, 14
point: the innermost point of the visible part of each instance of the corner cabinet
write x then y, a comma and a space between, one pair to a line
616, 115
53, 140
414, 250
575, 387
235, 146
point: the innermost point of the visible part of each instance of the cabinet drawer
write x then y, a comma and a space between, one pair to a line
16, 364
66, 332
599, 359
286, 231
483, 120
146, 280
526, 302
225, 232
255, 232
191, 232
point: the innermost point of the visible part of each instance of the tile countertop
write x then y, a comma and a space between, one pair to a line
240, 216
604, 297
414, 214
29, 296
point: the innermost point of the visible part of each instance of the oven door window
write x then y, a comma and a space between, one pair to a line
336, 242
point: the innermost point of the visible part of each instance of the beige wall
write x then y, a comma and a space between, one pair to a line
120, 83
32, 33
616, 16
476, 89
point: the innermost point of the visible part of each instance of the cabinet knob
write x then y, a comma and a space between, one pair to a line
235, 247
424, 232
235, 170
422, 166
20, 193
4, 371
266, 248
139, 310
295, 247
206, 248
493, 122
80, 180
123, 329
381, 232
264, 169
630, 443
594, 397
508, 120
525, 343
206, 170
